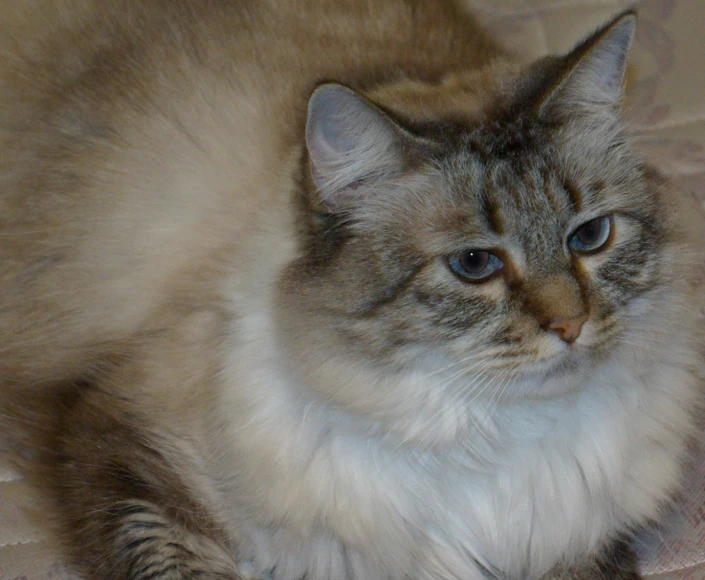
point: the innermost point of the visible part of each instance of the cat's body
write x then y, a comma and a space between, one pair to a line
229, 331
123, 79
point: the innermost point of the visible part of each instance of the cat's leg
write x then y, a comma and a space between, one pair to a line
122, 510
148, 544
616, 561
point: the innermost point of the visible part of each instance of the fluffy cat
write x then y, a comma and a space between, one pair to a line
335, 290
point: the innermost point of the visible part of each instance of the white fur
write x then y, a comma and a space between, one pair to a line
525, 483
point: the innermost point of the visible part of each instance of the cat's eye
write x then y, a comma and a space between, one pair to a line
592, 235
475, 265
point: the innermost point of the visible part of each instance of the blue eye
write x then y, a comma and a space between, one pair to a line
475, 265
591, 236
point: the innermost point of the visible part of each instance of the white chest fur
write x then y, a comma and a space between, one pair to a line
311, 494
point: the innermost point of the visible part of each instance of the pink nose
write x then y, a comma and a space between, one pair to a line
567, 328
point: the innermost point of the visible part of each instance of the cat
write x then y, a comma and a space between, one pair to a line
336, 290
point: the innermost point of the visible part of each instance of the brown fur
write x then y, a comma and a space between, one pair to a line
69, 118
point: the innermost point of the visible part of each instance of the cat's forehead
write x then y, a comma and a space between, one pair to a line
513, 186
519, 181
531, 167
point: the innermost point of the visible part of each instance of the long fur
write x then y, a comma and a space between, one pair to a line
216, 361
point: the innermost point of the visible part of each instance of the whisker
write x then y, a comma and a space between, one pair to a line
473, 354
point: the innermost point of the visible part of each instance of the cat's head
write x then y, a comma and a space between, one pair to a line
496, 230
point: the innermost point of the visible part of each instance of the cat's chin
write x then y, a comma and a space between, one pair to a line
557, 375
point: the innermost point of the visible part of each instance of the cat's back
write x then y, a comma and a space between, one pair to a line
113, 170
139, 140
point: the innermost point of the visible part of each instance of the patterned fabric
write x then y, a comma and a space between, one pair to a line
666, 110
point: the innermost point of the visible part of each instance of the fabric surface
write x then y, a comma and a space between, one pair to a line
666, 110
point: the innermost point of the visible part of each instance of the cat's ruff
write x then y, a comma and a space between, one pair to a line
548, 474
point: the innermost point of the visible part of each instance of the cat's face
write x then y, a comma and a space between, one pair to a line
512, 252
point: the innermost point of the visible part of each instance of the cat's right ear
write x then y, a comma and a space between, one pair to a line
350, 142
594, 70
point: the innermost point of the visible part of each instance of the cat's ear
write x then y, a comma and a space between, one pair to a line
350, 142
593, 72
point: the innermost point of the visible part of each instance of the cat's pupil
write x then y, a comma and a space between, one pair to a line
590, 233
475, 261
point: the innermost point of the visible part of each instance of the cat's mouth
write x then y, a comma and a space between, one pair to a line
568, 361
553, 375
591, 346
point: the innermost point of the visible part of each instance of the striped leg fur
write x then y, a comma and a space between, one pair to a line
148, 546
121, 507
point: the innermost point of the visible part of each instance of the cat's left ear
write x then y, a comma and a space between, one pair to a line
350, 142
593, 72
